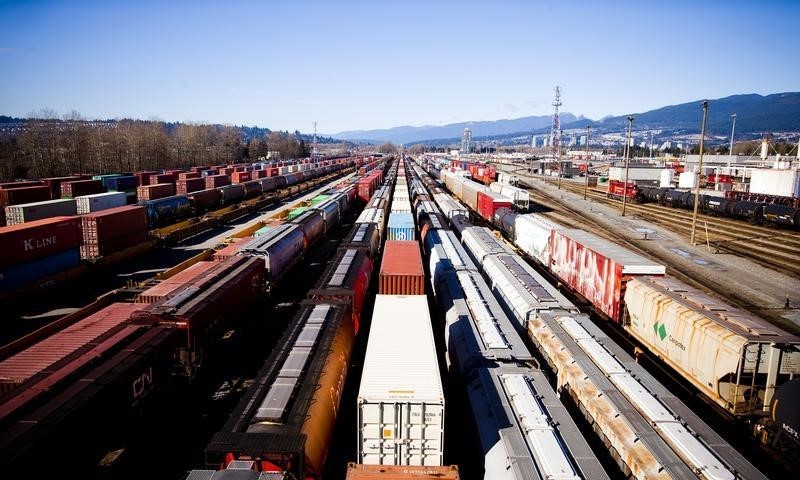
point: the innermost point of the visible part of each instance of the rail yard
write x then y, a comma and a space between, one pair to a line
392, 316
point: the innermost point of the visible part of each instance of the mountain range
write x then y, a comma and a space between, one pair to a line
779, 112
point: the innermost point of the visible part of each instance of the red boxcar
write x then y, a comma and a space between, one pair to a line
489, 202
596, 268
33, 240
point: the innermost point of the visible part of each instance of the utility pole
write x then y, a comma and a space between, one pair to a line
559, 159
699, 170
627, 165
586, 184
730, 152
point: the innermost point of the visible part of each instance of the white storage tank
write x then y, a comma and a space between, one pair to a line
783, 183
400, 401
667, 175
687, 180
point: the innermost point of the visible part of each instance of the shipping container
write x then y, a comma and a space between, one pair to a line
519, 197
736, 359
596, 268
104, 225
489, 202
241, 177
163, 178
79, 188
783, 183
90, 251
22, 195
401, 269
648, 174
155, 191
346, 279
279, 249
392, 472
54, 185
21, 184
215, 181
126, 183
400, 400
189, 175
80, 335
400, 226
38, 239
100, 201
185, 186
27, 273
28, 212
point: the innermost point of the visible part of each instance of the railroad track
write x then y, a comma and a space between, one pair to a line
774, 248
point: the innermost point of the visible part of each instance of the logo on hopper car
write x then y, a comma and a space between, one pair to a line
660, 330
33, 243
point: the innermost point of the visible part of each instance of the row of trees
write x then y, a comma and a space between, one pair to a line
43, 146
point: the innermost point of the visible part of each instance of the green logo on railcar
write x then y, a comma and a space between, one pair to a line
660, 330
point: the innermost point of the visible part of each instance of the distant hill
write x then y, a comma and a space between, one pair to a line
754, 113
779, 112
408, 134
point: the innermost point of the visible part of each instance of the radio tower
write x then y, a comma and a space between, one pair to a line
314, 144
554, 132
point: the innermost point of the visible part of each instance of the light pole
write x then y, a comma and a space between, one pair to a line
586, 184
627, 165
730, 152
699, 171
559, 159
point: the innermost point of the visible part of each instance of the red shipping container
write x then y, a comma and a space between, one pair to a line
29, 183
596, 268
98, 250
188, 175
153, 192
227, 170
104, 225
86, 332
162, 178
80, 188
401, 269
214, 181
258, 174
144, 177
272, 172
55, 185
240, 177
175, 171
17, 196
365, 189
33, 240
489, 202
183, 187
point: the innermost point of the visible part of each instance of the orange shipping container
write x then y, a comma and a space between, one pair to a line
401, 269
401, 472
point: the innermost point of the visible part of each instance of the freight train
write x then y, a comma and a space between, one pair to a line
114, 359
285, 421
520, 428
650, 433
755, 211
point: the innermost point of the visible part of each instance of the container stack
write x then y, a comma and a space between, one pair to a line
79, 188
38, 249
155, 191
112, 230
101, 201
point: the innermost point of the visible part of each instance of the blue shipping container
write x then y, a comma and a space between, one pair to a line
400, 226
121, 184
21, 275
166, 210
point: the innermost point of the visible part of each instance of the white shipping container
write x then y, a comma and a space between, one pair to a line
784, 183
28, 212
519, 197
100, 201
635, 173
687, 180
400, 400
507, 178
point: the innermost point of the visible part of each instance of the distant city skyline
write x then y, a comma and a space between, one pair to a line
359, 65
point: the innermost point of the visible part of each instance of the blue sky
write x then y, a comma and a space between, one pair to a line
363, 65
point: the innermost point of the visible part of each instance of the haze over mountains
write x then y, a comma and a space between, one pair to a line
755, 113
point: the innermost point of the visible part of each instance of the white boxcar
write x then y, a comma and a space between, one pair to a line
400, 400
784, 183
736, 359
100, 201
532, 234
